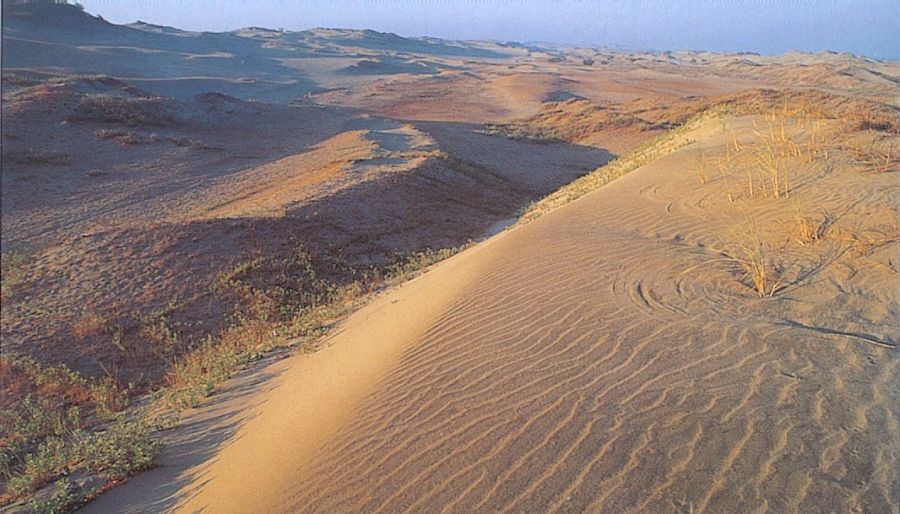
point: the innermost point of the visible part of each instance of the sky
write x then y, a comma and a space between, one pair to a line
863, 27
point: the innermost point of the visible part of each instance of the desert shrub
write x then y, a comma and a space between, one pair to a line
34, 449
66, 497
51, 459
196, 375
34, 420
45, 436
116, 451
125, 447
109, 399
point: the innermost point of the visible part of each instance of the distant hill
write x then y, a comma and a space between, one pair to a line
54, 39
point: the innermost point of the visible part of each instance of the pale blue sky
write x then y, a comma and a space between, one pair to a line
867, 27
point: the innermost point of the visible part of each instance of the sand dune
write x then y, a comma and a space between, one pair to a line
607, 355
598, 359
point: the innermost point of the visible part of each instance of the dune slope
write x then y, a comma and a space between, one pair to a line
603, 358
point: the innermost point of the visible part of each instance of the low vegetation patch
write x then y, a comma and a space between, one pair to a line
133, 112
55, 422
59, 423
39, 443
13, 270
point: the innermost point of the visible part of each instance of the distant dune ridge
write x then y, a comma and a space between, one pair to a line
695, 308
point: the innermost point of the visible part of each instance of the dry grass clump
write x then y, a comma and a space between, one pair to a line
769, 156
89, 325
754, 263
758, 268
876, 154
809, 230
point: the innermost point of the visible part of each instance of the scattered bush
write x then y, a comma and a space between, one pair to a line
125, 447
66, 497
43, 444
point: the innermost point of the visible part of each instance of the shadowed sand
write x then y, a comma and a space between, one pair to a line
597, 359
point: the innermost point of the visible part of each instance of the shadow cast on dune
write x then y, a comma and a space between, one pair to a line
165, 275
194, 443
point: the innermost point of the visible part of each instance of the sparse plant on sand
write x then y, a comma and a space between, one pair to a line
865, 241
729, 193
816, 140
754, 262
735, 144
700, 168
808, 229
876, 154
768, 157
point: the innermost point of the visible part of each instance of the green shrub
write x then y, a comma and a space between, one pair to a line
125, 447
65, 498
